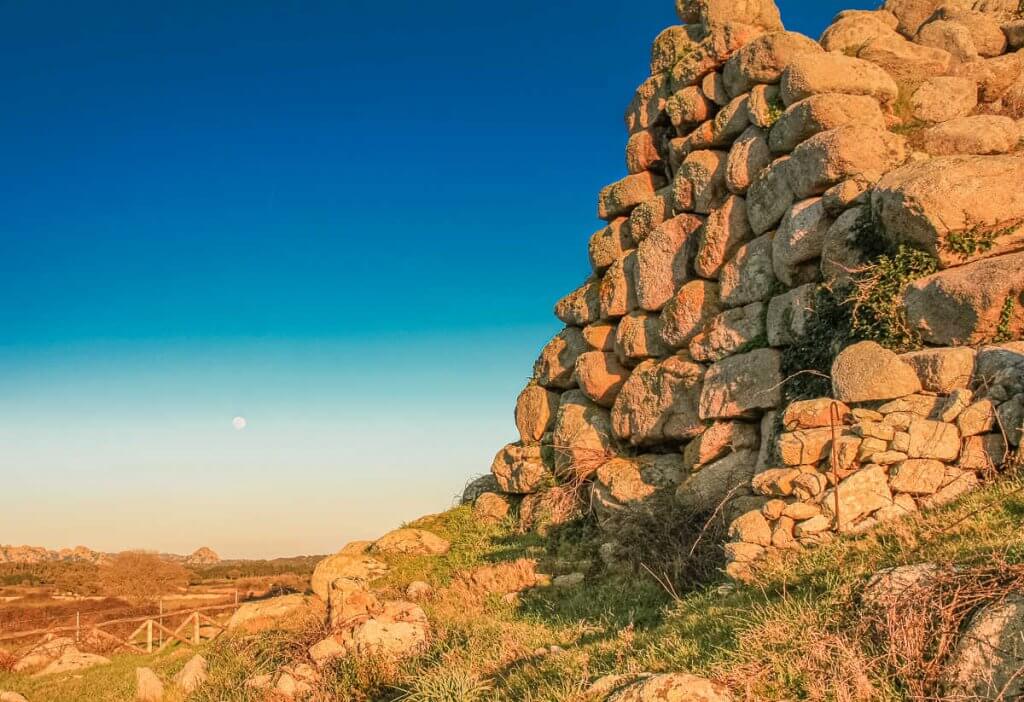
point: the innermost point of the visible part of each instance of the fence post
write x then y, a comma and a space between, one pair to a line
161, 622
78, 626
149, 636
195, 628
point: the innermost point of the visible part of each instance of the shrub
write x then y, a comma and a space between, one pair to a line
138, 576
680, 547
876, 311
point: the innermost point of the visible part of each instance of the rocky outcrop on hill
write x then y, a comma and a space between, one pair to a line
39, 554
203, 556
805, 296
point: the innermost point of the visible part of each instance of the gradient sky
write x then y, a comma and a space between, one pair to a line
347, 221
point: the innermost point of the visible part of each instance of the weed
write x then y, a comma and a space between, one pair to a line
970, 242
775, 109
876, 309
807, 364
1003, 331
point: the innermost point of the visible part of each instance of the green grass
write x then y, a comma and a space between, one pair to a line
795, 633
106, 683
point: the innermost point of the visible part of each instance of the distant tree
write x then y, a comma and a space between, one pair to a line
138, 576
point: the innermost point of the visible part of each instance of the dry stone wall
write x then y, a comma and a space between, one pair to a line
767, 173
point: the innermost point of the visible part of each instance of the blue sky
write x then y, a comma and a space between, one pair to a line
346, 221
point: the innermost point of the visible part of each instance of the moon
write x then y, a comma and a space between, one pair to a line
239, 423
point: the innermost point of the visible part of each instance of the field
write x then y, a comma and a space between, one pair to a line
797, 632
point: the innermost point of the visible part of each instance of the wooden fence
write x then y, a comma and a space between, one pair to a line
150, 634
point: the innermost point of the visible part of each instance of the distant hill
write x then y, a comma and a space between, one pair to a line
203, 556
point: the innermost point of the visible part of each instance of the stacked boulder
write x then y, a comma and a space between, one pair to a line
903, 433
756, 160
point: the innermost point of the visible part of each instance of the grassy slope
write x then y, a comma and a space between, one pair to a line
794, 634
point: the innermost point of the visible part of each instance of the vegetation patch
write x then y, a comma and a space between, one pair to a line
876, 309
799, 631
1003, 331
807, 365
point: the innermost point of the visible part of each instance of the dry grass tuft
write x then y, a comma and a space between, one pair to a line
918, 628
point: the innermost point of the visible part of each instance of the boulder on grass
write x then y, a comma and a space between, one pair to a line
672, 687
285, 612
148, 687
411, 542
340, 565
520, 469
987, 661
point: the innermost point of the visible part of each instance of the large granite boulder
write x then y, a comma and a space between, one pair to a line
659, 402
557, 361
343, 565
582, 436
600, 376
624, 483
763, 60
969, 304
846, 152
535, 412
286, 612
957, 208
987, 661
812, 74
865, 371
742, 385
519, 469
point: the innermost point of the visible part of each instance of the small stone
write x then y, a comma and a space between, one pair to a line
979, 418
869, 447
983, 454
936, 440
901, 441
751, 528
775, 481
956, 403
900, 421
808, 485
773, 509
813, 414
814, 525
962, 483
919, 405
874, 430
917, 476
857, 496
419, 590
782, 533
862, 414
804, 446
568, 581
801, 511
